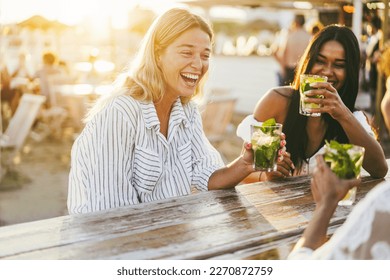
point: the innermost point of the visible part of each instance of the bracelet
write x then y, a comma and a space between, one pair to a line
261, 173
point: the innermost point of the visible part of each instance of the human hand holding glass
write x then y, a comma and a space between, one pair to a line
345, 160
327, 188
266, 140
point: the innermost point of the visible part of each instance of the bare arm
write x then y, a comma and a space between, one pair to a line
266, 108
327, 190
234, 172
274, 104
239, 169
374, 159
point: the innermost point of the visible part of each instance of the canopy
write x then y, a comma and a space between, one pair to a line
40, 22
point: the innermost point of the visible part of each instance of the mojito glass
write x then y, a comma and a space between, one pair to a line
265, 141
304, 85
346, 161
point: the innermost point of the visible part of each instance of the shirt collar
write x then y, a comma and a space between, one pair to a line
178, 115
150, 115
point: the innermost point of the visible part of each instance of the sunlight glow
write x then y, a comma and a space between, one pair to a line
228, 13
103, 89
302, 5
74, 12
103, 66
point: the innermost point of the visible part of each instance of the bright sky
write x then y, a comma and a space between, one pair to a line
74, 11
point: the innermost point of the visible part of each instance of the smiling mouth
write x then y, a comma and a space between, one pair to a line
190, 79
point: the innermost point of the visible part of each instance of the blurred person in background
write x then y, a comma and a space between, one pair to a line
316, 27
8, 102
145, 141
291, 48
49, 75
372, 58
364, 235
20, 80
333, 52
53, 115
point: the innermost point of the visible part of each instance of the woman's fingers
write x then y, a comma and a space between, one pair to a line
330, 102
285, 165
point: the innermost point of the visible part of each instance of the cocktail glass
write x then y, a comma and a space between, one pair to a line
265, 144
305, 81
346, 161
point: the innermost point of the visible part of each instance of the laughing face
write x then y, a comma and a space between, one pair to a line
184, 62
331, 63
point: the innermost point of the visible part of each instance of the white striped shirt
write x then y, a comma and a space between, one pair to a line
121, 158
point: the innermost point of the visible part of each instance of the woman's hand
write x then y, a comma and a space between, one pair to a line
285, 166
248, 154
327, 188
331, 103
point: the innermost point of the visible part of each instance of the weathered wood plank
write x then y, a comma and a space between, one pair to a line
214, 213
261, 220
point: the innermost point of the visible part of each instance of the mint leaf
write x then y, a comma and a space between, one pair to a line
268, 126
344, 159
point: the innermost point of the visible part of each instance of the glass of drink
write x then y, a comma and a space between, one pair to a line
265, 141
346, 161
304, 85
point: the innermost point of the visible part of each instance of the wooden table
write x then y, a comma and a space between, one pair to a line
254, 221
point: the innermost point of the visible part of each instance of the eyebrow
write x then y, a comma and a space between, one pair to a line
337, 59
190, 46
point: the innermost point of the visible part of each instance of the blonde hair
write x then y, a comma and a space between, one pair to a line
145, 81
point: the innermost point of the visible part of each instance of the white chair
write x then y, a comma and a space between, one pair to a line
20, 125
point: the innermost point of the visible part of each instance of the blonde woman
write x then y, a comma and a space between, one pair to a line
145, 142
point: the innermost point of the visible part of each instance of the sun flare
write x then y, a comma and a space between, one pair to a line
74, 12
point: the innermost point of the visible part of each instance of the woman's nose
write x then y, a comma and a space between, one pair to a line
196, 62
327, 69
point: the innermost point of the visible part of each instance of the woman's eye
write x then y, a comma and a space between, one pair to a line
320, 62
339, 66
186, 53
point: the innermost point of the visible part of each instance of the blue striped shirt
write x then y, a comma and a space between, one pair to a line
121, 158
